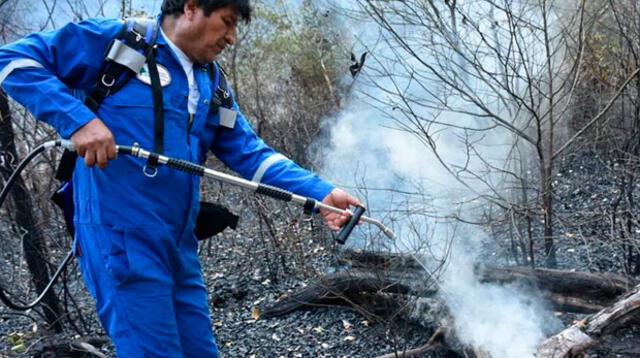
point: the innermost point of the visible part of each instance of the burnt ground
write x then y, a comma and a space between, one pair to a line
271, 256
246, 270
593, 196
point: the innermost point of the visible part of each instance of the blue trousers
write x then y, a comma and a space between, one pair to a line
149, 291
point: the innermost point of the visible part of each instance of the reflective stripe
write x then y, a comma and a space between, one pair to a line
15, 64
126, 56
266, 164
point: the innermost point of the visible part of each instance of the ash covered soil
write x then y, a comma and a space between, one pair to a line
592, 194
319, 332
266, 260
245, 271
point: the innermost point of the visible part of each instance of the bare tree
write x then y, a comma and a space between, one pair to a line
287, 73
32, 237
610, 62
491, 73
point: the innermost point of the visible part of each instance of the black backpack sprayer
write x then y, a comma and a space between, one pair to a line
310, 205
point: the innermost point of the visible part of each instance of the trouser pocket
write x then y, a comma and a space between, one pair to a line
113, 248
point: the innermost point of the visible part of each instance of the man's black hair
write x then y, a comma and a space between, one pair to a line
171, 7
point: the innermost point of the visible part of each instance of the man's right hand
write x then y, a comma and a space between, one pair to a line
94, 141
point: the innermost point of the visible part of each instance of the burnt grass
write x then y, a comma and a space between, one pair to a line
275, 251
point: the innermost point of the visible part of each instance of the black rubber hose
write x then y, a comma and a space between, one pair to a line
3, 196
18, 171
19, 307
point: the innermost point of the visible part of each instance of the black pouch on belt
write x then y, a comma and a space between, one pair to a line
213, 219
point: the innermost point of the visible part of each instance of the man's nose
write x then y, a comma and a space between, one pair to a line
230, 36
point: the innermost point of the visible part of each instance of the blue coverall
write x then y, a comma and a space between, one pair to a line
139, 253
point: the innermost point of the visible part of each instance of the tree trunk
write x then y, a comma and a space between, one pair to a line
569, 291
33, 242
373, 274
547, 207
362, 290
588, 332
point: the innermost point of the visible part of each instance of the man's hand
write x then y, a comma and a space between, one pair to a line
340, 199
95, 143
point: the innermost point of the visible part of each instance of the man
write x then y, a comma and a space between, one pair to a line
138, 252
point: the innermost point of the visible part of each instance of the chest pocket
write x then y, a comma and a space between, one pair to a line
134, 93
129, 114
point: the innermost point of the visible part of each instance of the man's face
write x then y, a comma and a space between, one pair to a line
209, 35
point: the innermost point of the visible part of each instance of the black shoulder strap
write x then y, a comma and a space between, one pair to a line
221, 94
158, 115
124, 57
128, 51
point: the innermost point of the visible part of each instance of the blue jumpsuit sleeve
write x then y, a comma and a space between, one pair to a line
246, 153
40, 71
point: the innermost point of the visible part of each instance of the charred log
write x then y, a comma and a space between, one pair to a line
588, 332
601, 288
387, 286
350, 288
578, 291
374, 274
86, 347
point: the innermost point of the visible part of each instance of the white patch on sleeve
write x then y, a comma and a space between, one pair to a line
15, 64
266, 164
228, 117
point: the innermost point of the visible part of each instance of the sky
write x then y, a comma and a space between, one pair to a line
66, 10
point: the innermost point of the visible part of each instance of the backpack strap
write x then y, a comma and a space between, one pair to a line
128, 51
222, 103
158, 117
125, 56
222, 95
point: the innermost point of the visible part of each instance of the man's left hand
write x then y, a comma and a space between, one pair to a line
340, 199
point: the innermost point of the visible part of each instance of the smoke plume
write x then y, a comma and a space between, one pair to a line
420, 180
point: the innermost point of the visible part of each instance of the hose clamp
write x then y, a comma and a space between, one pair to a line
135, 149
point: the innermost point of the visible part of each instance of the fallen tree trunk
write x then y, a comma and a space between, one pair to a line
567, 291
598, 288
591, 291
395, 285
349, 287
588, 332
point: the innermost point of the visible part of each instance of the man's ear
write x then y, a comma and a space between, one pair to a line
190, 8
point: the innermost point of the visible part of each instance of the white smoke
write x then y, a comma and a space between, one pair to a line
505, 321
368, 149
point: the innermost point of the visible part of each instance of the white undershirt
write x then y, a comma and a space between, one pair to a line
187, 65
